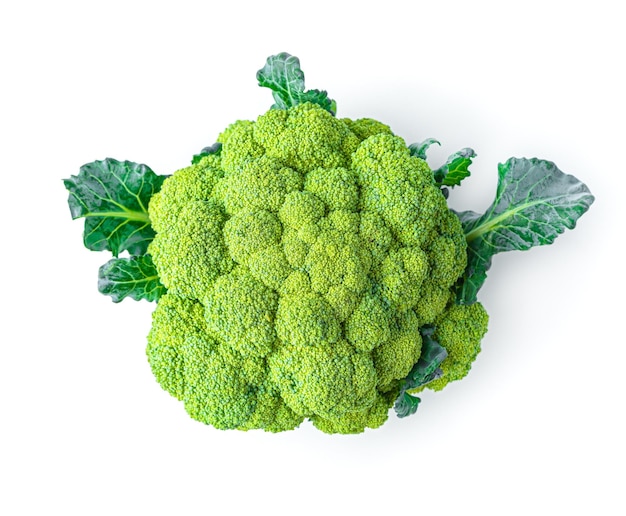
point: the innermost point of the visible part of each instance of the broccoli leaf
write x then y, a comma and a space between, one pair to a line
216, 149
455, 169
112, 196
419, 149
283, 75
319, 97
134, 277
424, 371
427, 367
406, 404
535, 202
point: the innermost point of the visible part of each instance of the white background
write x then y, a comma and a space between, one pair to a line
536, 428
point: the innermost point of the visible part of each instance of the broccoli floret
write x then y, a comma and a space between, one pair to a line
240, 312
258, 184
194, 183
173, 322
218, 385
392, 358
305, 137
326, 380
301, 263
370, 324
337, 188
190, 253
459, 330
238, 146
306, 320
357, 422
366, 127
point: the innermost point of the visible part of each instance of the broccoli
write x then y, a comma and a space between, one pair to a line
313, 249
307, 266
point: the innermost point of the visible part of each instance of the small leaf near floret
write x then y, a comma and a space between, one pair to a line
424, 371
406, 404
283, 75
216, 149
419, 149
455, 169
134, 277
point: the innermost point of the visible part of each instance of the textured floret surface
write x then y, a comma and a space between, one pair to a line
300, 264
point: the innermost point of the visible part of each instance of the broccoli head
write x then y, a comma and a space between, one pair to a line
300, 263
307, 267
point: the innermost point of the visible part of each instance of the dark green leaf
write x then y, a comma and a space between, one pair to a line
216, 149
424, 371
455, 168
134, 277
419, 149
112, 196
283, 75
535, 202
406, 404
427, 367
320, 98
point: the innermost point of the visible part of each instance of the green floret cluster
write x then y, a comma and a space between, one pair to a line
459, 330
300, 263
